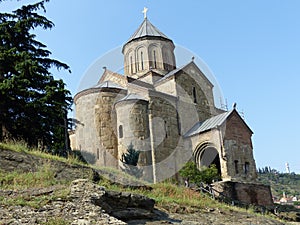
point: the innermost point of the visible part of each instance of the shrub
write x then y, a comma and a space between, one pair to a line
194, 175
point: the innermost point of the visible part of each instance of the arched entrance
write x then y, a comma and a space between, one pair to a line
206, 155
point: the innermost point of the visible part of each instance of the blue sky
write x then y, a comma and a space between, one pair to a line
252, 48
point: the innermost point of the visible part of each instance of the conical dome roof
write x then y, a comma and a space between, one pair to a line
147, 29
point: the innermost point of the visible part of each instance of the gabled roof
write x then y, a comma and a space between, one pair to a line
212, 123
108, 84
147, 29
173, 72
139, 83
107, 74
208, 124
182, 68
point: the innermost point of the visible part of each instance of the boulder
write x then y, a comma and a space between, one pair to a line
122, 205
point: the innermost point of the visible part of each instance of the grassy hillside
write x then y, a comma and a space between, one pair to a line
53, 174
281, 182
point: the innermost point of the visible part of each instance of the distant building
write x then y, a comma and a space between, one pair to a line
287, 167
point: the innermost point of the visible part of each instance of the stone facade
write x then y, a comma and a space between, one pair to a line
244, 193
167, 113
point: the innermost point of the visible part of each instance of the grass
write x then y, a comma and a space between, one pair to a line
34, 201
15, 180
19, 146
24, 183
167, 193
173, 198
168, 196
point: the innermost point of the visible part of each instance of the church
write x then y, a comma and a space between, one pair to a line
165, 111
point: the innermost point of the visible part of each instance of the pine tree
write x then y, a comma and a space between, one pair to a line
131, 157
33, 105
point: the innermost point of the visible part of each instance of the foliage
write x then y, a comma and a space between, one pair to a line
33, 104
266, 169
280, 182
206, 175
131, 157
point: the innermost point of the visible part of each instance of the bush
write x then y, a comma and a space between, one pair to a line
194, 175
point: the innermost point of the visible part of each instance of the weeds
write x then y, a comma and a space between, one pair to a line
15, 180
20, 146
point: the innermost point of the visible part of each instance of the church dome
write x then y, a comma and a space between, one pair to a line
147, 29
148, 49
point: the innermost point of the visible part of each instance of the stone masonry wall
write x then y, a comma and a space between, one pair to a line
105, 122
238, 149
132, 119
187, 85
165, 127
249, 193
86, 130
95, 132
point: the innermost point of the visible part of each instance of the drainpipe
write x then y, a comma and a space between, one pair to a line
152, 145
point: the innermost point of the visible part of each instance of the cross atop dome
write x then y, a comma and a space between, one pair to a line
145, 12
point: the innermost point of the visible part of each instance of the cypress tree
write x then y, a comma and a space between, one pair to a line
33, 105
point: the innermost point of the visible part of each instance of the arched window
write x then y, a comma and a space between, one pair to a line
194, 95
142, 60
120, 131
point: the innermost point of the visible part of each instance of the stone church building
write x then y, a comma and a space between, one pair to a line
165, 111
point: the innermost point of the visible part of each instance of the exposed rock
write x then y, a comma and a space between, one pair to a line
122, 205
78, 209
87, 203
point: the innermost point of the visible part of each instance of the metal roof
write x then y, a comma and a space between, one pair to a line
147, 29
108, 84
208, 124
171, 73
133, 96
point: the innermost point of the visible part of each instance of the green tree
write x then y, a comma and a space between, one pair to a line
131, 157
33, 105
206, 175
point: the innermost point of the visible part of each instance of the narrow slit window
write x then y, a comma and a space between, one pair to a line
166, 129
120, 131
236, 166
131, 65
142, 60
194, 95
154, 58
98, 153
246, 167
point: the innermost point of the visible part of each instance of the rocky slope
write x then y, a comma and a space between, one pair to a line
88, 203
